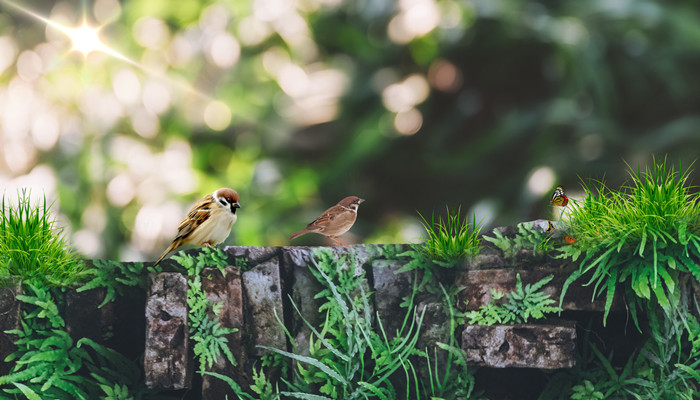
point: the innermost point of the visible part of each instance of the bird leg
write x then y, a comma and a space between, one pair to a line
333, 238
207, 244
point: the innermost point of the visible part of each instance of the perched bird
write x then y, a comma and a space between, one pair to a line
559, 198
209, 222
335, 221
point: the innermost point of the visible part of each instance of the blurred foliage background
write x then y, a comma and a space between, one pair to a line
414, 105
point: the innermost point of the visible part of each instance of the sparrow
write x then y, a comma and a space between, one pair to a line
335, 221
208, 223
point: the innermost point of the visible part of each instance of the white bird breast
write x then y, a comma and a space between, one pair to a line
216, 228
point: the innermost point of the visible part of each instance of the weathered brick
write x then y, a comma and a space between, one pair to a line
389, 290
263, 293
226, 290
520, 346
167, 362
479, 283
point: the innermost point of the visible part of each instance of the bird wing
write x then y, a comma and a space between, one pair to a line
199, 213
326, 218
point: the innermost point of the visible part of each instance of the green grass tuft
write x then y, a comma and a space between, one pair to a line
451, 240
657, 206
32, 246
645, 236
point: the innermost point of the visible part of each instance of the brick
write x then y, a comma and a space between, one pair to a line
479, 283
167, 362
520, 346
228, 291
263, 295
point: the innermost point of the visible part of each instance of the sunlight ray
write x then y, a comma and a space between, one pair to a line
86, 39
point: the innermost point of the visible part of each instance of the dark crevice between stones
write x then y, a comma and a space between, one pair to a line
253, 255
287, 282
369, 275
248, 331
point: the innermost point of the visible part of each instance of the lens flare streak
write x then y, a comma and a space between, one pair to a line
86, 40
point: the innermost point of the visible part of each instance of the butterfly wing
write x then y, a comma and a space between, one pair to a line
559, 198
560, 201
550, 227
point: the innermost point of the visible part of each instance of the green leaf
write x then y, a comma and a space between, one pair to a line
571, 279
668, 280
309, 360
375, 390
305, 396
31, 395
610, 295
640, 284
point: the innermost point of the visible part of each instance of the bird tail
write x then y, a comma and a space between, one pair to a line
174, 245
297, 234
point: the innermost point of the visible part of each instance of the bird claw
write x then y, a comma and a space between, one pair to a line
337, 241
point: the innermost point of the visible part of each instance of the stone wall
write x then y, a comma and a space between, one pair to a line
258, 300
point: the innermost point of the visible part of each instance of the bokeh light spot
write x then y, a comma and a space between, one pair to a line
408, 122
444, 76
8, 51
417, 18
217, 115
404, 95
121, 190
145, 123
29, 65
151, 32
156, 97
225, 50
293, 80
421, 17
19, 155
483, 211
107, 10
45, 131
540, 181
252, 31
126, 86
87, 243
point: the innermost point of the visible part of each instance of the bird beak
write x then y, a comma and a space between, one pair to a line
234, 206
361, 201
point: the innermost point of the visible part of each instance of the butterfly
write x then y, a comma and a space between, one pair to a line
550, 226
569, 240
559, 198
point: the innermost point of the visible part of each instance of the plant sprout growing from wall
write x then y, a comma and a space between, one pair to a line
32, 245
451, 240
